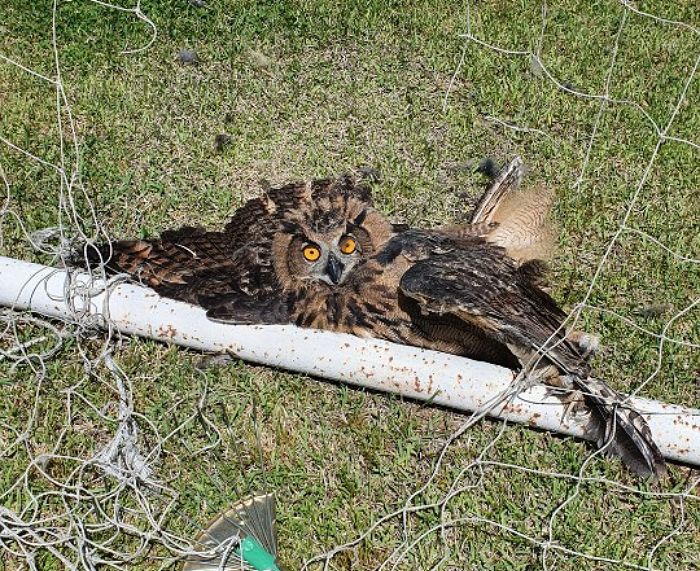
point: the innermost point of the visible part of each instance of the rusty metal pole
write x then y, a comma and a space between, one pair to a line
447, 380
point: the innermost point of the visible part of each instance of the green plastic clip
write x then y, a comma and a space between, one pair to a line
255, 555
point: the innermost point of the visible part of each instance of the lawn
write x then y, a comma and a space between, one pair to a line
288, 90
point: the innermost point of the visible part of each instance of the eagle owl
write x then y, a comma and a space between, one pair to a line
319, 255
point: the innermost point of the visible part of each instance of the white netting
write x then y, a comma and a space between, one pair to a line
91, 478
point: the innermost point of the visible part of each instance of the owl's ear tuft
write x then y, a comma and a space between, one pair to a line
305, 191
354, 187
360, 218
362, 192
267, 203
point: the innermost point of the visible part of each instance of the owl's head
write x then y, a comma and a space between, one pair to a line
328, 229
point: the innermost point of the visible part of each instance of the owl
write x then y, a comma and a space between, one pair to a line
319, 255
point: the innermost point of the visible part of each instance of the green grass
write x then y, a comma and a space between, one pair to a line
340, 87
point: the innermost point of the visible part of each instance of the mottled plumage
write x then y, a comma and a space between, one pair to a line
318, 255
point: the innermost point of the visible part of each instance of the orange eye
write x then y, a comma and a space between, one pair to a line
347, 244
311, 253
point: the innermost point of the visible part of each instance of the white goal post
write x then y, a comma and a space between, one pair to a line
443, 379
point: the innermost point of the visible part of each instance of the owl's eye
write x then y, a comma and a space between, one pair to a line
347, 245
311, 253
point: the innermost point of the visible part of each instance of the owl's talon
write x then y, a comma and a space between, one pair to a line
574, 405
587, 342
590, 344
573, 399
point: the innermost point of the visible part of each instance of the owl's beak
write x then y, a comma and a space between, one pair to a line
334, 268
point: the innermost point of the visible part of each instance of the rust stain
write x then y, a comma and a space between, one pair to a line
167, 331
515, 409
416, 385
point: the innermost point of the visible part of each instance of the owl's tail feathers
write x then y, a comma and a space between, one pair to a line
620, 430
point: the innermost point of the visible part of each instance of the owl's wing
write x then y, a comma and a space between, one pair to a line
516, 219
185, 264
235, 285
506, 182
173, 264
247, 293
485, 289
480, 285
241, 309
483, 219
